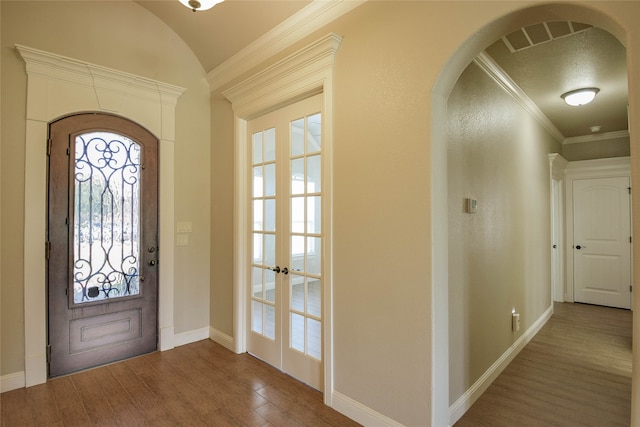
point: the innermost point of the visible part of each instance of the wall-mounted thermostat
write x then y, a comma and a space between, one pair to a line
472, 205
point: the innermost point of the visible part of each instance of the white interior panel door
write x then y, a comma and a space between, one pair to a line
285, 303
602, 241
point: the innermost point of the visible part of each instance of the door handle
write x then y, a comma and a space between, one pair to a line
580, 247
285, 270
277, 269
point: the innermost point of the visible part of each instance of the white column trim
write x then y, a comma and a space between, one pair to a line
306, 72
58, 86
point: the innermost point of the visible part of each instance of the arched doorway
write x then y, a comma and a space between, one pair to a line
448, 77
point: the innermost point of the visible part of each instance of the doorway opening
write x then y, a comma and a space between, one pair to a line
442, 300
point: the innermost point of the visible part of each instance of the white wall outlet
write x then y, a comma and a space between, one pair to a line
515, 322
182, 239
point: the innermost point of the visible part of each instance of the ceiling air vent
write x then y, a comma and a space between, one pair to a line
534, 35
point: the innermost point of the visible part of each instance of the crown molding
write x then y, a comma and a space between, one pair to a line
597, 137
493, 70
308, 20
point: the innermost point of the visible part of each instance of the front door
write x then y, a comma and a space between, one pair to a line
102, 270
286, 195
602, 241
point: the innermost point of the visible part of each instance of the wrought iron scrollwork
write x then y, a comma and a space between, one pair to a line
106, 224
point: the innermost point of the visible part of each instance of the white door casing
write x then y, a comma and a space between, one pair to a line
603, 179
305, 72
57, 86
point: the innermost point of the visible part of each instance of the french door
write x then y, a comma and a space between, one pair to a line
286, 194
102, 241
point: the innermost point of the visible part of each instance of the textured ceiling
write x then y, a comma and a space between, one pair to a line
590, 58
545, 60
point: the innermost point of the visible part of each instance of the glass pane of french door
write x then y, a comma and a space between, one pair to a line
286, 195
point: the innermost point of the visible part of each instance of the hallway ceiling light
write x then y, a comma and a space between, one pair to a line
200, 4
580, 96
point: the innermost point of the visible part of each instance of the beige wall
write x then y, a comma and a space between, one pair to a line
615, 147
387, 79
499, 256
125, 37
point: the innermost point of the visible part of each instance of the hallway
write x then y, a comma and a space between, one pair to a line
575, 372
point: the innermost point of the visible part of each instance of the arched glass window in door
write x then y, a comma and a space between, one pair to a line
106, 219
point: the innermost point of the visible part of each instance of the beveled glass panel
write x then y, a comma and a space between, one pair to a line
314, 214
269, 321
314, 297
297, 293
314, 255
270, 250
314, 133
257, 215
258, 184
270, 285
270, 180
297, 253
314, 338
297, 137
314, 174
257, 248
106, 220
270, 215
297, 214
256, 282
297, 176
297, 332
256, 316
270, 145
257, 148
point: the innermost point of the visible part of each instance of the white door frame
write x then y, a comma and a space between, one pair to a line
57, 86
586, 169
557, 166
306, 72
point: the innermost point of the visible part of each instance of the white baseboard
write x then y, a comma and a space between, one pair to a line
222, 339
464, 402
12, 381
360, 413
188, 337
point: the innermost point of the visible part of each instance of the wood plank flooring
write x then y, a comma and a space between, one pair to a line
200, 384
575, 372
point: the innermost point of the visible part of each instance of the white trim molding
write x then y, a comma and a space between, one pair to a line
493, 70
306, 72
464, 402
58, 86
361, 413
12, 381
302, 24
597, 137
222, 338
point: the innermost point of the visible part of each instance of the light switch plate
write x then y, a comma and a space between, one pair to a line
184, 227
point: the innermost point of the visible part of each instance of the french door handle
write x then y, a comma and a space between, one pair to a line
277, 269
285, 270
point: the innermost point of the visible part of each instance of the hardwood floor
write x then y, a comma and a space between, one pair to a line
575, 372
200, 384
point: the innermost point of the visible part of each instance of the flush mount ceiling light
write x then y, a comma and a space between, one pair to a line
580, 96
200, 4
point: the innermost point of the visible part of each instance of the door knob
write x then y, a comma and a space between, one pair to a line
277, 269
580, 247
285, 270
